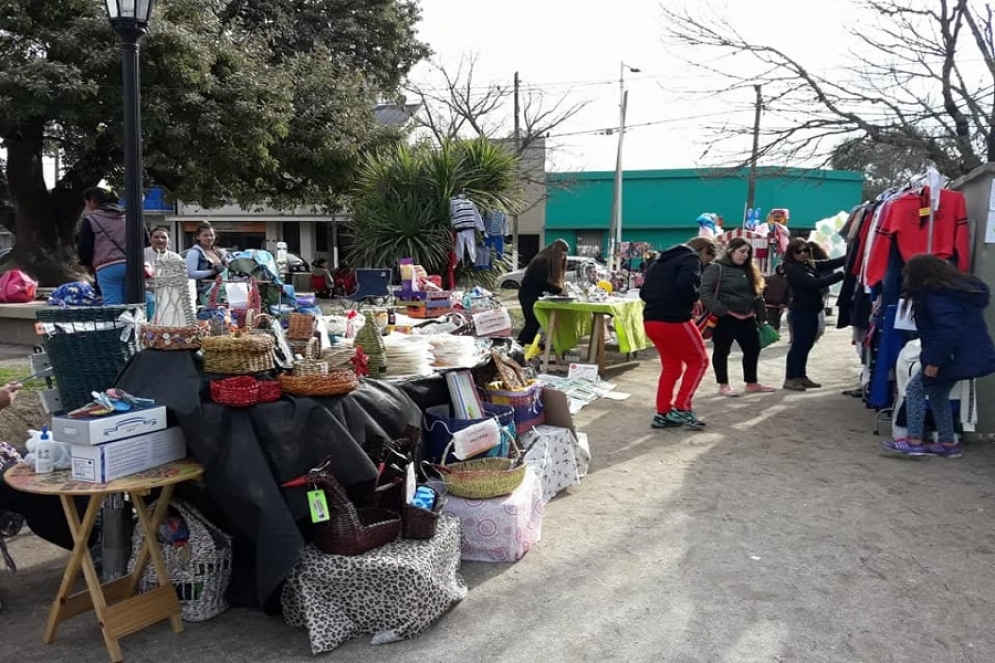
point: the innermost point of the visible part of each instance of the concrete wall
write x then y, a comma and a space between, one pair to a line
977, 188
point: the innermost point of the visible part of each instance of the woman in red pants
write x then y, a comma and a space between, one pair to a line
670, 292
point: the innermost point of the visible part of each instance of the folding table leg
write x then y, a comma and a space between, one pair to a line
151, 551
549, 340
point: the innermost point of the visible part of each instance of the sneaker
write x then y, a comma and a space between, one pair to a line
943, 450
904, 448
690, 421
666, 420
727, 391
808, 384
793, 385
757, 388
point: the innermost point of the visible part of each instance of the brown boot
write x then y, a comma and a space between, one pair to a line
794, 385
808, 384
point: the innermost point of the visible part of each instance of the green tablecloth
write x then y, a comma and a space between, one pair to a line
573, 321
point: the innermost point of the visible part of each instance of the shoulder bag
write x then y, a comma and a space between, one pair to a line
704, 319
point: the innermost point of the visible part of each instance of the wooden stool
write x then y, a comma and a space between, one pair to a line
120, 609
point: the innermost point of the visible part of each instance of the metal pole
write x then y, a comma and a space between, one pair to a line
751, 190
135, 225
616, 218
518, 153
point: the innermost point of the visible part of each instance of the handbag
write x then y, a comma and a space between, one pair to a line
704, 319
768, 335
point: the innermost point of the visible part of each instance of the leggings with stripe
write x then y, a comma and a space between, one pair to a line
684, 359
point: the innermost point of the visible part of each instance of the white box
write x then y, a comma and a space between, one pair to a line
99, 430
105, 462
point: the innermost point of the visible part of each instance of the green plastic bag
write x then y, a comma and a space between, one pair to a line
768, 335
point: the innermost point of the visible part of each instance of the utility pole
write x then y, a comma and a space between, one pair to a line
615, 227
518, 153
751, 191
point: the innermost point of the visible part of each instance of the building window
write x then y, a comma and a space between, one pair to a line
590, 242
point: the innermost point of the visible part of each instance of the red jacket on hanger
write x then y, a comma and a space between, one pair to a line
904, 224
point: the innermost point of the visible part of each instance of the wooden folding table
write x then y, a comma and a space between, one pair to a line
120, 609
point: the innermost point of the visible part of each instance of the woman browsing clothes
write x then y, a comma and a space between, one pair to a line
731, 289
205, 261
546, 273
670, 291
807, 279
948, 308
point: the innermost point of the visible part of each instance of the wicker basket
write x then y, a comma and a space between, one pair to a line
350, 531
240, 391
527, 404
419, 523
306, 367
300, 326
238, 354
482, 478
336, 383
157, 337
270, 391
86, 347
309, 349
200, 570
338, 356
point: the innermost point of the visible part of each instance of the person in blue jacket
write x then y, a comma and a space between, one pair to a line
948, 308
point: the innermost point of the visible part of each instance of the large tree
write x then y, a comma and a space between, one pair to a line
923, 82
242, 100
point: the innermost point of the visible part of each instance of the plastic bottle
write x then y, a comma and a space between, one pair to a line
391, 321
45, 453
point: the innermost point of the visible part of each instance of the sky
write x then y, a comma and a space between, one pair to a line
573, 49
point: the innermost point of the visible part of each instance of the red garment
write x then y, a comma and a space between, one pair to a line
683, 356
909, 229
863, 233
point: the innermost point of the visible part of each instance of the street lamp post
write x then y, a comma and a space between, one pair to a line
130, 18
615, 231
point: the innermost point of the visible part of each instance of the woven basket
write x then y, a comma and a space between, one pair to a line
300, 326
157, 337
238, 354
240, 391
336, 383
482, 478
200, 570
526, 403
350, 531
308, 367
309, 349
338, 356
86, 348
269, 391
419, 523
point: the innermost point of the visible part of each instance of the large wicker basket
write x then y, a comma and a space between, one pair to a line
87, 347
350, 531
238, 354
200, 570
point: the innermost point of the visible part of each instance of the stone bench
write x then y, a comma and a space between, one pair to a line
17, 323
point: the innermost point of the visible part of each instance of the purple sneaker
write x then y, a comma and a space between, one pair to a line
944, 450
905, 449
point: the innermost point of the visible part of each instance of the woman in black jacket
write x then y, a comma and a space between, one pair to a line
807, 279
545, 273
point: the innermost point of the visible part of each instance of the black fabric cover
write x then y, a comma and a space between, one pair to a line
247, 453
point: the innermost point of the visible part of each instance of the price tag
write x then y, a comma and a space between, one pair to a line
319, 506
924, 212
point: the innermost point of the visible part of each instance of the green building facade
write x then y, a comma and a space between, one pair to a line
661, 206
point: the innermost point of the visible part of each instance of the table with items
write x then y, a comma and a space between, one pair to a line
567, 321
120, 609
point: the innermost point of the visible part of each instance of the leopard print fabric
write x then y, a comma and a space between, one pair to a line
394, 592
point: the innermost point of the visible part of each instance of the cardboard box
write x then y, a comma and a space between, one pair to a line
99, 430
105, 462
556, 407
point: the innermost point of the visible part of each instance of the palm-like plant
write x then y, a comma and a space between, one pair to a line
401, 201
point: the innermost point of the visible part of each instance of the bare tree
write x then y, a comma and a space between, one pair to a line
460, 105
916, 84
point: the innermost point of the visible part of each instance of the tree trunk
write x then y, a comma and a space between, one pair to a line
45, 221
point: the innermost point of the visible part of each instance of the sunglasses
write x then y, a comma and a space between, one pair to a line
801, 251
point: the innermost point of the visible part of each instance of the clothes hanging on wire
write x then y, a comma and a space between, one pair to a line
466, 222
495, 230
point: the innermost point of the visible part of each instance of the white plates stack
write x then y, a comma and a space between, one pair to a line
407, 356
454, 351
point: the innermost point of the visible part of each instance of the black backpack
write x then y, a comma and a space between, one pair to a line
777, 292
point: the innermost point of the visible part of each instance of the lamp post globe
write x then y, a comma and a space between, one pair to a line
130, 18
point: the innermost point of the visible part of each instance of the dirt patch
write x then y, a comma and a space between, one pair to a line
24, 414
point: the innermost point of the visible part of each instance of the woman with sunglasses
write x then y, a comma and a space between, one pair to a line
807, 279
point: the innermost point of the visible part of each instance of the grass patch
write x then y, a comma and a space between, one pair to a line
18, 372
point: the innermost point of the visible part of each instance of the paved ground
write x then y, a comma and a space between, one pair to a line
781, 534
